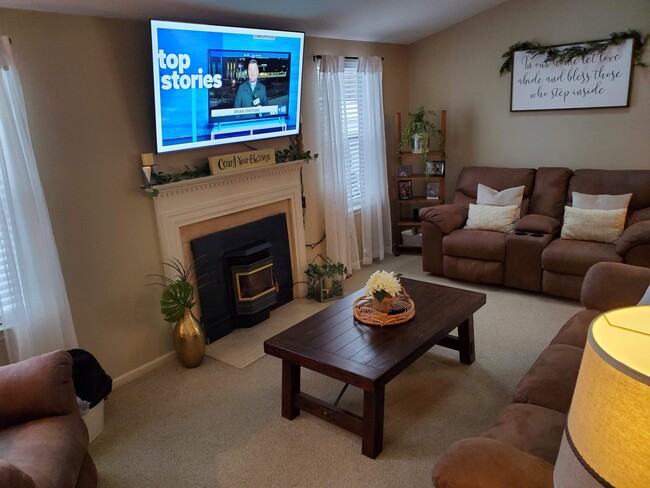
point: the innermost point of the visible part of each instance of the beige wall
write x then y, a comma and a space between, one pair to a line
458, 69
87, 86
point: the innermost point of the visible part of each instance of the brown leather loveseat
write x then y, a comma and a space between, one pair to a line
43, 439
533, 256
521, 446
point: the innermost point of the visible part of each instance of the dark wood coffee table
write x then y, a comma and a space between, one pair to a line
332, 342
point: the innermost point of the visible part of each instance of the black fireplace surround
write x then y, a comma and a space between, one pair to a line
212, 254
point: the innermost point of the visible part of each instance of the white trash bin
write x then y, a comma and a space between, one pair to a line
94, 420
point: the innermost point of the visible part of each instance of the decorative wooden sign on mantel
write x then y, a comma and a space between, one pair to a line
227, 163
591, 81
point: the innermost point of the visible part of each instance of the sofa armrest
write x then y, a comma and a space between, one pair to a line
38, 387
488, 463
538, 224
635, 235
613, 285
13, 477
447, 217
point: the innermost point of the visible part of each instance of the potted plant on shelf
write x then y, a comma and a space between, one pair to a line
418, 130
176, 307
325, 282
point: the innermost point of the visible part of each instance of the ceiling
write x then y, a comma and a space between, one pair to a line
391, 21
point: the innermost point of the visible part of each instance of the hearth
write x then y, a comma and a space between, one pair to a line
243, 272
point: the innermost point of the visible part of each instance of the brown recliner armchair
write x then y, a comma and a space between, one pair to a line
43, 439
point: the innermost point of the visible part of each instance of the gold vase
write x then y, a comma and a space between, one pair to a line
189, 340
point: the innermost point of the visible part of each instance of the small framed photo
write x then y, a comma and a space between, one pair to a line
405, 171
405, 190
433, 191
435, 168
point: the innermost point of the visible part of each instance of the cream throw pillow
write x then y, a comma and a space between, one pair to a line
510, 196
600, 202
593, 225
490, 217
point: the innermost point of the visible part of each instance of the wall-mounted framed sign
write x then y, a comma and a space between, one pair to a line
595, 80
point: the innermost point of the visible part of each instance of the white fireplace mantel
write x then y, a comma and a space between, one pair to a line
191, 201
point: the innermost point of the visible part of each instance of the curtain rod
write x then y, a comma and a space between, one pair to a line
318, 56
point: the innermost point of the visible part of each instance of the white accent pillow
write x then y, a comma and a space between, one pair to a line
490, 217
601, 202
593, 225
510, 196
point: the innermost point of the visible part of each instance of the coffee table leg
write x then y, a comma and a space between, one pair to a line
290, 388
466, 341
373, 422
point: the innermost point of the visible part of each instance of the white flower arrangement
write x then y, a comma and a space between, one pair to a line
382, 284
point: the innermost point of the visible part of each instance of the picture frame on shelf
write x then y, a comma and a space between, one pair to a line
405, 190
433, 190
405, 171
435, 168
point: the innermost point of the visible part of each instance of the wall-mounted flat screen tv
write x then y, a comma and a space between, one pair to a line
218, 85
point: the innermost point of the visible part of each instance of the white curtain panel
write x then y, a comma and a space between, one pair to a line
35, 312
339, 213
375, 206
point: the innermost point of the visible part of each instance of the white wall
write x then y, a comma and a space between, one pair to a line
458, 69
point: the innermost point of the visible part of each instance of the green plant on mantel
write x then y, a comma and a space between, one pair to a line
294, 152
555, 54
161, 178
419, 124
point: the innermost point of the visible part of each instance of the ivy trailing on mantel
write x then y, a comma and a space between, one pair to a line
566, 54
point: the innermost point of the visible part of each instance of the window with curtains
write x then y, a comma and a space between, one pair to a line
351, 94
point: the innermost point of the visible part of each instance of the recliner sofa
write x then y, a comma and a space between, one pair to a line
533, 256
521, 447
43, 439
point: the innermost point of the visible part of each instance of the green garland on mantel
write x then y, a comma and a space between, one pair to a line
566, 54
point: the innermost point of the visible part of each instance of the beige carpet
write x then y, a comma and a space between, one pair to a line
220, 426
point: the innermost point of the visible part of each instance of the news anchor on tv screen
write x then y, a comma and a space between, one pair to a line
251, 93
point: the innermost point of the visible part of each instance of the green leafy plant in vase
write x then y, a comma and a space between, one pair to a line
325, 282
419, 129
176, 305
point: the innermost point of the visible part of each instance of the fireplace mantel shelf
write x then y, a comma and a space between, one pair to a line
205, 182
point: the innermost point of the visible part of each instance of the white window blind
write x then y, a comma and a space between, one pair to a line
353, 119
7, 300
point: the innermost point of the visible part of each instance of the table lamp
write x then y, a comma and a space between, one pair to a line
607, 438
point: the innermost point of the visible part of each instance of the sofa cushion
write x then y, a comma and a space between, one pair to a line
593, 225
476, 270
479, 462
600, 202
510, 196
50, 450
576, 257
549, 195
613, 182
574, 331
538, 224
531, 428
551, 379
494, 218
497, 178
476, 244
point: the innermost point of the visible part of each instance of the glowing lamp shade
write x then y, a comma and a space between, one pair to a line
607, 438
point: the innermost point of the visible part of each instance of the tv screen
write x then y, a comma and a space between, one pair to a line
218, 85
